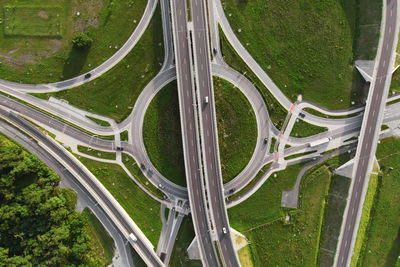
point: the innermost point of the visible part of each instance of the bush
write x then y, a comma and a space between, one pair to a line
82, 41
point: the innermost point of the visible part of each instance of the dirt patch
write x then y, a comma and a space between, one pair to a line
42, 14
88, 14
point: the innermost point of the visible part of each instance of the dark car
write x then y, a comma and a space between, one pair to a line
265, 140
88, 75
302, 115
120, 148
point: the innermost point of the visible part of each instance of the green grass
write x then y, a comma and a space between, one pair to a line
274, 241
162, 134
97, 153
285, 38
382, 239
237, 128
299, 155
124, 136
304, 129
100, 122
333, 215
144, 210
395, 83
114, 93
29, 21
101, 241
365, 217
33, 57
276, 112
179, 257
134, 169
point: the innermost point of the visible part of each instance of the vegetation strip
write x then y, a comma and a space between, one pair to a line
97, 153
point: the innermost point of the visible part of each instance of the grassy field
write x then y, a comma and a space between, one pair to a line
97, 153
115, 93
185, 236
382, 241
276, 112
101, 241
261, 219
285, 38
36, 36
237, 128
304, 129
124, 136
333, 215
141, 208
162, 134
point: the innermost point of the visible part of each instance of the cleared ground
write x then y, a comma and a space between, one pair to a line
36, 36
115, 93
237, 131
286, 37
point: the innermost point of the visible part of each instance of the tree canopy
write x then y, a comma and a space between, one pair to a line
38, 223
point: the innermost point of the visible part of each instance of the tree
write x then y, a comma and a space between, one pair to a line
82, 41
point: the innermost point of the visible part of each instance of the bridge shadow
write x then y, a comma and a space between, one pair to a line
75, 63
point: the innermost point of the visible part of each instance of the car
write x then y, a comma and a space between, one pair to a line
206, 99
214, 51
330, 138
302, 115
224, 230
88, 75
142, 166
160, 186
265, 140
120, 148
232, 190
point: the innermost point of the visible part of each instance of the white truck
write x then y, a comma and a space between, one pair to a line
320, 141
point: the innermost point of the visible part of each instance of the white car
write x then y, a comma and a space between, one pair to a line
224, 230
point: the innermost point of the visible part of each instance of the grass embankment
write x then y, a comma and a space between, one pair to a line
144, 210
36, 36
101, 241
303, 129
333, 215
276, 112
100, 122
262, 219
135, 170
237, 131
237, 128
162, 134
179, 257
97, 153
292, 54
381, 246
115, 93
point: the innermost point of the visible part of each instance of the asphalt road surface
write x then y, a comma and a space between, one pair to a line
367, 149
209, 135
187, 103
39, 136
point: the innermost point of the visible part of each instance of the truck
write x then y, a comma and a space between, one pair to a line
132, 238
320, 142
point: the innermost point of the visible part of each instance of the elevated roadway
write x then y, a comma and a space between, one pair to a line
209, 136
369, 133
190, 139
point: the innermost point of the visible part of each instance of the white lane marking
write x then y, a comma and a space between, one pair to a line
390, 29
208, 133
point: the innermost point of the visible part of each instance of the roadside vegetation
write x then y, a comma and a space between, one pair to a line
332, 221
36, 36
237, 128
285, 39
262, 219
179, 257
381, 246
304, 129
39, 224
162, 134
100, 122
143, 210
276, 112
100, 239
124, 136
114, 93
97, 153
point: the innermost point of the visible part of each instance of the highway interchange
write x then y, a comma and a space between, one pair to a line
340, 129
